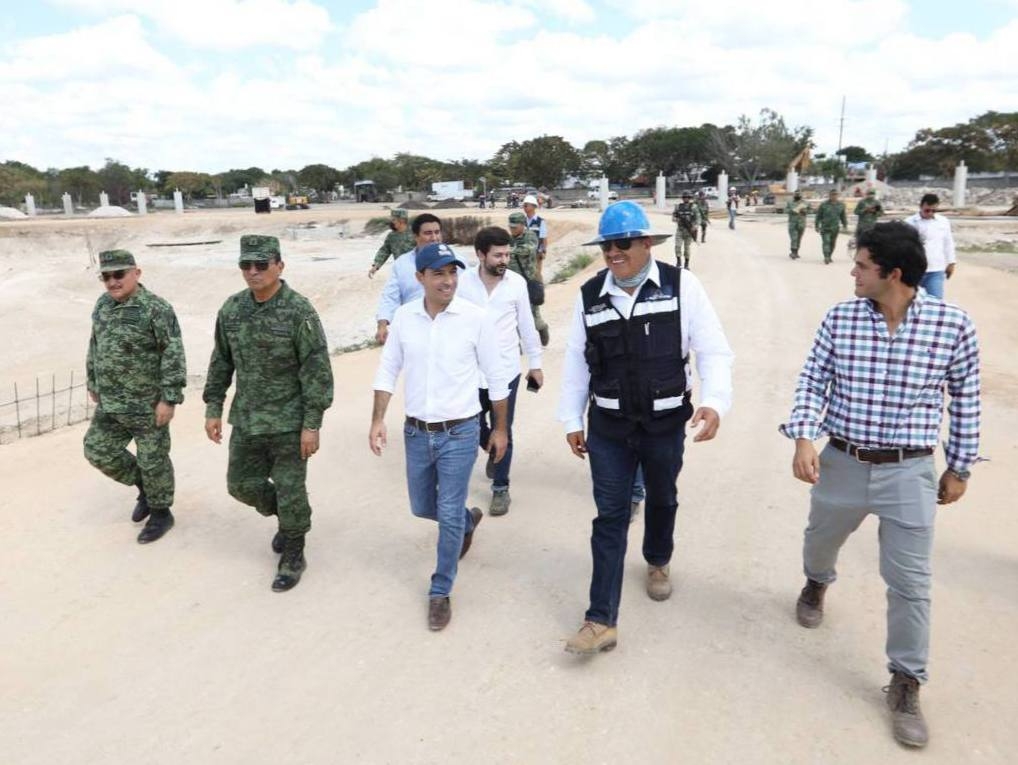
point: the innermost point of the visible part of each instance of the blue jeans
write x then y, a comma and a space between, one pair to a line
639, 486
501, 479
933, 282
731, 216
438, 467
613, 465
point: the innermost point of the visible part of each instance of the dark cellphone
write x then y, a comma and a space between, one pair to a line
532, 385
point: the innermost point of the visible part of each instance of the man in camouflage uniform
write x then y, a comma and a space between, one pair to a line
704, 207
829, 215
523, 260
136, 375
868, 211
687, 217
272, 338
398, 241
796, 209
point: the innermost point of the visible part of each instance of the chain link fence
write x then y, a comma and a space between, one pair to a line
45, 407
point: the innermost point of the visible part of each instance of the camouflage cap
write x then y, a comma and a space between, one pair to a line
517, 218
258, 247
398, 212
115, 260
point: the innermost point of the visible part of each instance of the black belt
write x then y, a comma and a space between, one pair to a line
436, 427
878, 456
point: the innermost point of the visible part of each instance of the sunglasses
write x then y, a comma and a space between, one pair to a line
261, 265
117, 275
619, 244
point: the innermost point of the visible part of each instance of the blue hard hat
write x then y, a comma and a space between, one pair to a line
625, 220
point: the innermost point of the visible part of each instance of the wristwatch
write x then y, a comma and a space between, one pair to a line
961, 475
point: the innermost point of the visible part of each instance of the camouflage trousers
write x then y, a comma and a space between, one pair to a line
105, 448
682, 241
828, 239
539, 322
267, 473
795, 236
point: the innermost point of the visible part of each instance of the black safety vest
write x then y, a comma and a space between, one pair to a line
637, 370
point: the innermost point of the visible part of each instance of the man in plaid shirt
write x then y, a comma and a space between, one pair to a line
874, 384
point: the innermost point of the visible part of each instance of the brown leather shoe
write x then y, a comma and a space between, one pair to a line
903, 701
439, 613
592, 638
468, 538
809, 608
659, 587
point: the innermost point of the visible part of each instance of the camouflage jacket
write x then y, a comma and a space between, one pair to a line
867, 211
829, 214
279, 352
396, 243
524, 254
135, 355
797, 212
687, 216
704, 207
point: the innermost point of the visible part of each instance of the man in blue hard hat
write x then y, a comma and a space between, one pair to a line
627, 363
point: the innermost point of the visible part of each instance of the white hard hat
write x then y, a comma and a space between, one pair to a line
530, 199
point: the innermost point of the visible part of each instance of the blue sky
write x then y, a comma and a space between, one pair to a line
213, 84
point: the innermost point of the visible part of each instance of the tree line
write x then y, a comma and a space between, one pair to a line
750, 150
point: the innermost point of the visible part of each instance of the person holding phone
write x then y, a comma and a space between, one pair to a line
503, 295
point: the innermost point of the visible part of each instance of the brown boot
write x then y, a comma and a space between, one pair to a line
439, 613
659, 587
903, 701
468, 538
809, 609
592, 638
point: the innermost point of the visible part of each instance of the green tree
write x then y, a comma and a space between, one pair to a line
321, 178
613, 158
82, 183
545, 161
191, 184
118, 181
18, 179
855, 154
672, 151
762, 150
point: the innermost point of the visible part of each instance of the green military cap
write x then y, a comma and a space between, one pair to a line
517, 217
398, 212
258, 247
115, 260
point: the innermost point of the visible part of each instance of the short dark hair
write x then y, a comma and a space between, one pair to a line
894, 245
492, 236
930, 199
421, 219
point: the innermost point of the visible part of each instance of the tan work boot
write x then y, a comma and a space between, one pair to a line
903, 701
659, 587
809, 608
592, 638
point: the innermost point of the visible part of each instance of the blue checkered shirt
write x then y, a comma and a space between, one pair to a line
876, 391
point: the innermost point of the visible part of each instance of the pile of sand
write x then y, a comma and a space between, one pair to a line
412, 204
109, 211
448, 204
10, 213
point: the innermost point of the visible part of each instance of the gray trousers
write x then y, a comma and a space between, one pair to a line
904, 497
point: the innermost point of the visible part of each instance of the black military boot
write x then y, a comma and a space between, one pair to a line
141, 508
159, 522
906, 716
278, 542
291, 565
809, 608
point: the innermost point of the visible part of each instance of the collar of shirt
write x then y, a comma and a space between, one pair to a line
914, 308
611, 288
455, 306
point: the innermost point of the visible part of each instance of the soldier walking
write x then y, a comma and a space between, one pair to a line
796, 209
271, 336
523, 260
136, 375
398, 241
867, 212
536, 224
704, 206
687, 217
830, 219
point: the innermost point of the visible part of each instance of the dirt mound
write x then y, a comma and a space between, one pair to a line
109, 211
411, 204
11, 213
449, 204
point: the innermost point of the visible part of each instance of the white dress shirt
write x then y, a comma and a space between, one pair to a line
509, 306
401, 286
443, 358
701, 333
937, 239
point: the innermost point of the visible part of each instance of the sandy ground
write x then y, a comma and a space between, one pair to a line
179, 652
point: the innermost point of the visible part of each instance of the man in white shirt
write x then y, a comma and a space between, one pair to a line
935, 233
503, 294
633, 327
402, 285
443, 343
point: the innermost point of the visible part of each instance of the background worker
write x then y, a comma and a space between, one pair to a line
704, 206
402, 285
829, 220
686, 216
523, 260
868, 211
938, 242
537, 224
796, 209
398, 241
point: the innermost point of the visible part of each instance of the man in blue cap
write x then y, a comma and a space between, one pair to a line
442, 342
627, 363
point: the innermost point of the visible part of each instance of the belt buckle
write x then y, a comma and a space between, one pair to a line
858, 450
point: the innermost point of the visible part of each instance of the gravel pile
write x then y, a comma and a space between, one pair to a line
109, 211
11, 213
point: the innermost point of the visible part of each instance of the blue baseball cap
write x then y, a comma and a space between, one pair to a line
436, 256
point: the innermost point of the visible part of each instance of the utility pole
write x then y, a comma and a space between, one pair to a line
841, 125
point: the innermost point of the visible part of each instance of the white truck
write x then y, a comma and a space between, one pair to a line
448, 190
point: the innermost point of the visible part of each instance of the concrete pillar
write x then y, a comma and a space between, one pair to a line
722, 185
792, 181
178, 202
104, 199
29, 204
603, 195
871, 177
68, 204
142, 203
961, 176
661, 192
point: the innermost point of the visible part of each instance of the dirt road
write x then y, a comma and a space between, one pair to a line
112, 652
